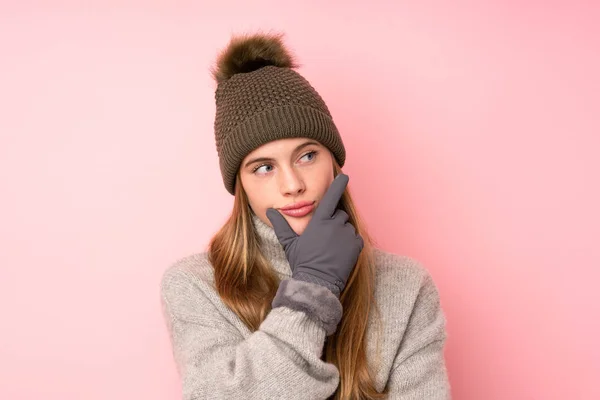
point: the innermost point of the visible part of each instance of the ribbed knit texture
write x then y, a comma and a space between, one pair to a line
267, 104
219, 358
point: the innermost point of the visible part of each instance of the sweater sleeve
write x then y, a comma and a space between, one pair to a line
419, 369
279, 360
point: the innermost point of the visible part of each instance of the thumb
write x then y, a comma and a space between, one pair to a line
283, 230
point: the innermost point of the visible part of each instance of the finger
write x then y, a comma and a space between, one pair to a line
341, 215
283, 230
361, 242
329, 203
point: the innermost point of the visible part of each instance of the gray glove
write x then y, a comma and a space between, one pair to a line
329, 247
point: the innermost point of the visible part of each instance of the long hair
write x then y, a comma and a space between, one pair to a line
247, 284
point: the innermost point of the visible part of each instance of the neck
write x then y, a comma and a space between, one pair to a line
271, 248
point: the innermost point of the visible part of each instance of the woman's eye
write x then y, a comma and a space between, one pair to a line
258, 169
266, 168
311, 155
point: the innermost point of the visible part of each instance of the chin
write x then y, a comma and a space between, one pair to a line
299, 224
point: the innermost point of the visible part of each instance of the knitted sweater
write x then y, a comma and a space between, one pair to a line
218, 357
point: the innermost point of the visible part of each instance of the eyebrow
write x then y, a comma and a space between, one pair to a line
263, 159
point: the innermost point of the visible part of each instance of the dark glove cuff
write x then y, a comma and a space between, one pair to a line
303, 276
316, 301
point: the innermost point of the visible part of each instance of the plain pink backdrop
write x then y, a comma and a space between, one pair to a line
472, 133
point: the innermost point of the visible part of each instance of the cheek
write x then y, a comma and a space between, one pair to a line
255, 202
325, 179
260, 199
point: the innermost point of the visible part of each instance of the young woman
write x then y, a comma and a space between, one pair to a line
291, 300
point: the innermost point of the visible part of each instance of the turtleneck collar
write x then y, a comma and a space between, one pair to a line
271, 248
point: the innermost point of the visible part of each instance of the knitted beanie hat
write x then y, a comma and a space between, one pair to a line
260, 98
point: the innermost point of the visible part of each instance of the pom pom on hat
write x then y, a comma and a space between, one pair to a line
247, 53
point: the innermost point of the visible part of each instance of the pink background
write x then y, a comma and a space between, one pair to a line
472, 133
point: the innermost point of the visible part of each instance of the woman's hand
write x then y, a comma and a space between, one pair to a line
328, 249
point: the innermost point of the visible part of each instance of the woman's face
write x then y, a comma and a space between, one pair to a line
284, 172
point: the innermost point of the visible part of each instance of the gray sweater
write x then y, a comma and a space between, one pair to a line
218, 357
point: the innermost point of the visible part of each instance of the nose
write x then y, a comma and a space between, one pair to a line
291, 182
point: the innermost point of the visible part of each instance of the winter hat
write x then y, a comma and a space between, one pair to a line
260, 98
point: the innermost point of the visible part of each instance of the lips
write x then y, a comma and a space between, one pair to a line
297, 205
299, 209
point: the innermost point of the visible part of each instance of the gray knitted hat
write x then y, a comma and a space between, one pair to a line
260, 98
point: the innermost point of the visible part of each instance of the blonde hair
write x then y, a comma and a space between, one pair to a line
247, 284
